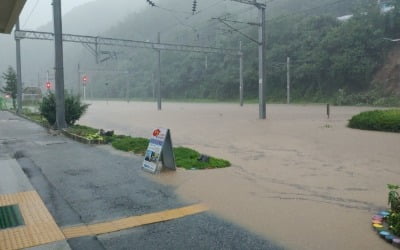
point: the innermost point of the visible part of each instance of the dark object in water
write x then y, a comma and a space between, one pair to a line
204, 158
106, 133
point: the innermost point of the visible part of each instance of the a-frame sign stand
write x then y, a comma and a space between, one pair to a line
160, 152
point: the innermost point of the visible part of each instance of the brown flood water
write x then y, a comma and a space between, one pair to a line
297, 178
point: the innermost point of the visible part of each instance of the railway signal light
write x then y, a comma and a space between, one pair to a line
48, 85
84, 79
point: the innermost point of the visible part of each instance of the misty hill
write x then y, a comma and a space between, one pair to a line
329, 57
331, 60
96, 17
91, 18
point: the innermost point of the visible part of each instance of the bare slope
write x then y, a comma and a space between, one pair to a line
388, 76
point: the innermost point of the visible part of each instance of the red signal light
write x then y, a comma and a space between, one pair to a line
84, 79
48, 85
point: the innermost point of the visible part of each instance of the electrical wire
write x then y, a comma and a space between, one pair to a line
173, 11
30, 14
210, 6
183, 21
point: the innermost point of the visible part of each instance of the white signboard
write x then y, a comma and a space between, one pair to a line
159, 153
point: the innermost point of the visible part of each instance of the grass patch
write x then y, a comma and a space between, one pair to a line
188, 158
136, 145
35, 117
81, 130
379, 120
185, 157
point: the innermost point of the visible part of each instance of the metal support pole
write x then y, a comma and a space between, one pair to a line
153, 82
84, 92
127, 88
328, 110
261, 61
241, 74
107, 92
59, 66
159, 75
96, 50
288, 80
78, 90
19, 76
47, 80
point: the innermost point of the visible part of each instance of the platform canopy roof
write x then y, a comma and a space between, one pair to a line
9, 13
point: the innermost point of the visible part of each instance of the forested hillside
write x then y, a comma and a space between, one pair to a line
331, 59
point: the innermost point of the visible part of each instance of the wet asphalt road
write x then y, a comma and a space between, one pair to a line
88, 184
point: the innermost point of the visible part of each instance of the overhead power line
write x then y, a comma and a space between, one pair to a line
30, 14
237, 30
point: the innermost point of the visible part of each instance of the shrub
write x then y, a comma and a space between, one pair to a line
394, 202
394, 198
74, 108
381, 120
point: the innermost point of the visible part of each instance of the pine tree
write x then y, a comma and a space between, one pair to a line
11, 84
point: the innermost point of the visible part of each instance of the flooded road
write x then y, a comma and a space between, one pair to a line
299, 178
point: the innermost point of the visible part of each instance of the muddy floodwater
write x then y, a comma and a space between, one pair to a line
298, 178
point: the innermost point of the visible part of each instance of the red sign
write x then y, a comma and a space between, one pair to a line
156, 132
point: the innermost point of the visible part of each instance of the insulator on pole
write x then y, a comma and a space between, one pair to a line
194, 6
151, 3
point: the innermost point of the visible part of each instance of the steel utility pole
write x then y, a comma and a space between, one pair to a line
288, 80
159, 74
78, 90
261, 61
19, 77
241, 74
261, 54
59, 66
128, 96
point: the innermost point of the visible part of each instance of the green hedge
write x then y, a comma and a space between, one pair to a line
380, 120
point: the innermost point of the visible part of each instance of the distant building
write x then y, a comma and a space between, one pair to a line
384, 6
344, 18
33, 94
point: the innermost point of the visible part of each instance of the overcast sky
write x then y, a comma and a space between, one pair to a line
39, 12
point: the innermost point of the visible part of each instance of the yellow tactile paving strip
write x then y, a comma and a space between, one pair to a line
40, 227
130, 222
